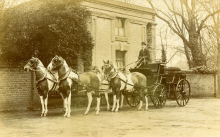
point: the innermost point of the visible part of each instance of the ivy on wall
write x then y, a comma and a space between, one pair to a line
202, 70
44, 29
205, 70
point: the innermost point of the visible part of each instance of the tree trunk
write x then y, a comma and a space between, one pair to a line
197, 56
218, 65
188, 55
218, 54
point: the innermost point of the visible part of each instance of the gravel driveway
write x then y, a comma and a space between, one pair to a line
199, 118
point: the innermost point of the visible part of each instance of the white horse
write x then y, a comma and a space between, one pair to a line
133, 81
89, 81
68, 81
46, 81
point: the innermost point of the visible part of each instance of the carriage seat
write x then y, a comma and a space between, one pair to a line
174, 74
172, 69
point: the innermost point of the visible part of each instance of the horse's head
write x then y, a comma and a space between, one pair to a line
95, 69
55, 63
32, 64
107, 67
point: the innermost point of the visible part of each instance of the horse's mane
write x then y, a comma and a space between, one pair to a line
37, 60
113, 65
95, 69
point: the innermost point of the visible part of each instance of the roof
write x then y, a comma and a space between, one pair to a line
123, 5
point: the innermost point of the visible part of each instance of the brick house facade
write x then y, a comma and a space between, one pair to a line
118, 29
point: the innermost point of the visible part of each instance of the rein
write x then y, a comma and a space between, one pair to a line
41, 79
111, 75
126, 82
65, 75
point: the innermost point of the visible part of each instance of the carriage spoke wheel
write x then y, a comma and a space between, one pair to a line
132, 98
159, 96
182, 93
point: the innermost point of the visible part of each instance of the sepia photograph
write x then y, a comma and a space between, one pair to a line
110, 68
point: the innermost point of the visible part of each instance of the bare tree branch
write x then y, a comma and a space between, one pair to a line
168, 23
203, 21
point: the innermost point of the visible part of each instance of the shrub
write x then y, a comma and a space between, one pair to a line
44, 29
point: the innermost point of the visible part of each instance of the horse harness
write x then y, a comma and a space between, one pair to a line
114, 74
55, 83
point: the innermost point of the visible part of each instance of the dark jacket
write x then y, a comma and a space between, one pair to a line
144, 53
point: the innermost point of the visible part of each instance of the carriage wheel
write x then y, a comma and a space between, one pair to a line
159, 96
182, 93
132, 98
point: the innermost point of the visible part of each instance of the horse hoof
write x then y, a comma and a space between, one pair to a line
42, 114
85, 114
45, 115
146, 109
139, 109
68, 116
97, 114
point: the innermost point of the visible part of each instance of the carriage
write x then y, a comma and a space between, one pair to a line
162, 82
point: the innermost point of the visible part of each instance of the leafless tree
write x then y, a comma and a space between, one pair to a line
213, 28
163, 38
187, 18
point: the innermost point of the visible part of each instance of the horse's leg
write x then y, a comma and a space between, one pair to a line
107, 102
141, 98
146, 99
89, 95
64, 109
46, 102
98, 104
114, 101
42, 104
69, 104
65, 106
118, 93
122, 99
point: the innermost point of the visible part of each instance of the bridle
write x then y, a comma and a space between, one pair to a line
111, 73
59, 65
34, 68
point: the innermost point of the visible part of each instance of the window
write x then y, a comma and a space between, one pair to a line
120, 27
120, 59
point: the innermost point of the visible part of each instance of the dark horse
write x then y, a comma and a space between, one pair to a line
120, 82
90, 81
46, 81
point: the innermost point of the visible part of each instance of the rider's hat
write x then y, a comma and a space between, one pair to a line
143, 43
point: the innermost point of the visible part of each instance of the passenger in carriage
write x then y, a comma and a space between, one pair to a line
144, 56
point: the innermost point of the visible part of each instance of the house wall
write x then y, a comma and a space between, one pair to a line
202, 85
18, 90
102, 27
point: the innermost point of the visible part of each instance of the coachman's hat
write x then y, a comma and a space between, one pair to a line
143, 43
